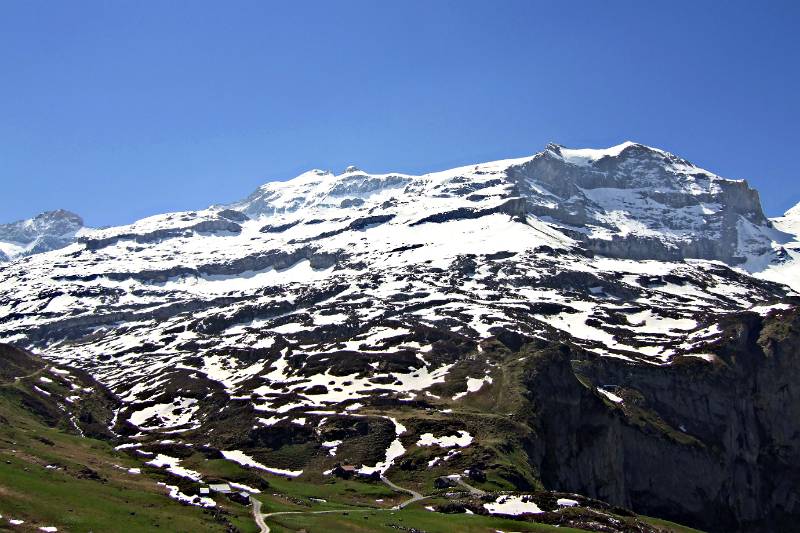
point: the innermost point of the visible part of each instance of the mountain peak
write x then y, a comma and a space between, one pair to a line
46, 231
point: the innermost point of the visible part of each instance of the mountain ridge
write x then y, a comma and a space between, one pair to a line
374, 309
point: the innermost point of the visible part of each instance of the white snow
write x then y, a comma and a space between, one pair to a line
395, 450
172, 464
245, 488
461, 440
473, 385
169, 415
245, 460
610, 395
300, 272
513, 505
332, 446
200, 501
587, 156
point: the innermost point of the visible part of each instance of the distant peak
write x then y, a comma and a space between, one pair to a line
351, 168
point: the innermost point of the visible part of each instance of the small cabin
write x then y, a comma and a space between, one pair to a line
344, 471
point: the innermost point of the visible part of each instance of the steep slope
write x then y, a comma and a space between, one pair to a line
369, 310
47, 231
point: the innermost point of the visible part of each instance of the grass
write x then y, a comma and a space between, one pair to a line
404, 520
296, 495
59, 497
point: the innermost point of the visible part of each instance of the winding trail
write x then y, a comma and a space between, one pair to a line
415, 496
260, 517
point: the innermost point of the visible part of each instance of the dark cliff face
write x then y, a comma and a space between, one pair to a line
711, 444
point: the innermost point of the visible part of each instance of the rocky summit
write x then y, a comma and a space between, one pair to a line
616, 323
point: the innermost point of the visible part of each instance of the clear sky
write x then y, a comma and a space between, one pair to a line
118, 110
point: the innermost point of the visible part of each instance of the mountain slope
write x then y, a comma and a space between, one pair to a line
370, 310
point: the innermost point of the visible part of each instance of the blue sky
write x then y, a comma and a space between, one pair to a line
118, 110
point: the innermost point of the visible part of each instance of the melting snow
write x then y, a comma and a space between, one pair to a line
177, 413
394, 451
473, 385
200, 501
610, 395
513, 505
173, 466
462, 440
245, 460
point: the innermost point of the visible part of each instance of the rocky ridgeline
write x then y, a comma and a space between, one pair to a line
597, 311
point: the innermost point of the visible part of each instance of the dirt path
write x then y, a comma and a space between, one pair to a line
258, 516
415, 496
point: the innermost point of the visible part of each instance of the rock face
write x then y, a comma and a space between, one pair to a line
719, 440
638, 202
581, 307
48, 231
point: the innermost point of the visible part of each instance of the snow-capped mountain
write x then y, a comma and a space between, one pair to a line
332, 299
47, 231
